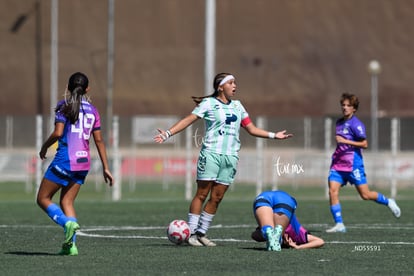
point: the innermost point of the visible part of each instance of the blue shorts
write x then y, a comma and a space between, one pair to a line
356, 177
61, 176
220, 168
279, 201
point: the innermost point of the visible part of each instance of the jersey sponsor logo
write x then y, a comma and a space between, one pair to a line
345, 131
81, 153
82, 160
229, 130
230, 118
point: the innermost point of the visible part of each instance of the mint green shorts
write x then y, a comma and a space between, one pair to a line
220, 168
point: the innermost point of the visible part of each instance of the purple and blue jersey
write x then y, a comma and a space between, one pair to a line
347, 158
296, 231
73, 152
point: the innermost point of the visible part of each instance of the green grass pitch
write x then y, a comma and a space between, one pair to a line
129, 237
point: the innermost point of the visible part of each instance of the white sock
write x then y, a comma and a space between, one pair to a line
193, 220
205, 221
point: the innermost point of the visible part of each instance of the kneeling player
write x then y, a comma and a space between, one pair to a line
296, 236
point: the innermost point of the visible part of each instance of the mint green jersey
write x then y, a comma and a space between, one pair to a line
222, 122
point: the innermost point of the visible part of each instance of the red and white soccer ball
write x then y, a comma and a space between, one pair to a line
178, 231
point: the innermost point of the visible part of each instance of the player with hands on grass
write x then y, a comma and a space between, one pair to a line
76, 119
273, 211
218, 157
347, 163
295, 236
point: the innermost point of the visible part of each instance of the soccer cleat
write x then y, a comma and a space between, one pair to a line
70, 229
204, 240
338, 228
278, 233
193, 241
394, 208
69, 250
273, 237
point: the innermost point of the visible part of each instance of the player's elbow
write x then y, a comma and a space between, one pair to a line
321, 243
317, 243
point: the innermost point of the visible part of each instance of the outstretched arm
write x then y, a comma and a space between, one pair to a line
100, 146
176, 128
258, 132
313, 242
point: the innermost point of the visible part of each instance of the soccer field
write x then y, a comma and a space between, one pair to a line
128, 237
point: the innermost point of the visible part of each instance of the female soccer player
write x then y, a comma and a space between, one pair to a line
348, 165
218, 158
76, 120
273, 211
296, 236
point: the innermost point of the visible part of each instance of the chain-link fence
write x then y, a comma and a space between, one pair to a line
301, 161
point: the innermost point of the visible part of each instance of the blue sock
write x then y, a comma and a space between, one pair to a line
382, 199
56, 214
264, 228
75, 220
336, 213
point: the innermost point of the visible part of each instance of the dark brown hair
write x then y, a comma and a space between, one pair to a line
77, 85
216, 83
353, 100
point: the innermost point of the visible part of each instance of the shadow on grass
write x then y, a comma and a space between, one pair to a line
254, 248
24, 253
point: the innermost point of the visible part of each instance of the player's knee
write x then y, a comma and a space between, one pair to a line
66, 203
201, 197
217, 198
215, 201
39, 201
333, 193
42, 201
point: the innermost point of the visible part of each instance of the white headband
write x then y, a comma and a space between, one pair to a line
226, 79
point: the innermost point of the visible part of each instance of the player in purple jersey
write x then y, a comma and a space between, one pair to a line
76, 120
296, 236
218, 158
348, 165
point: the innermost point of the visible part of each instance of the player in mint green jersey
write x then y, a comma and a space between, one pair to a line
218, 158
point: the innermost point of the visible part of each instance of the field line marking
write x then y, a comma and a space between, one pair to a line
86, 232
81, 233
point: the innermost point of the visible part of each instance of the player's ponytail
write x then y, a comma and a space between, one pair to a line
77, 85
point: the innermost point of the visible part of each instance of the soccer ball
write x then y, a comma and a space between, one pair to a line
178, 231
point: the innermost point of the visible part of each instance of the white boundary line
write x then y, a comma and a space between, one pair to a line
135, 228
86, 232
